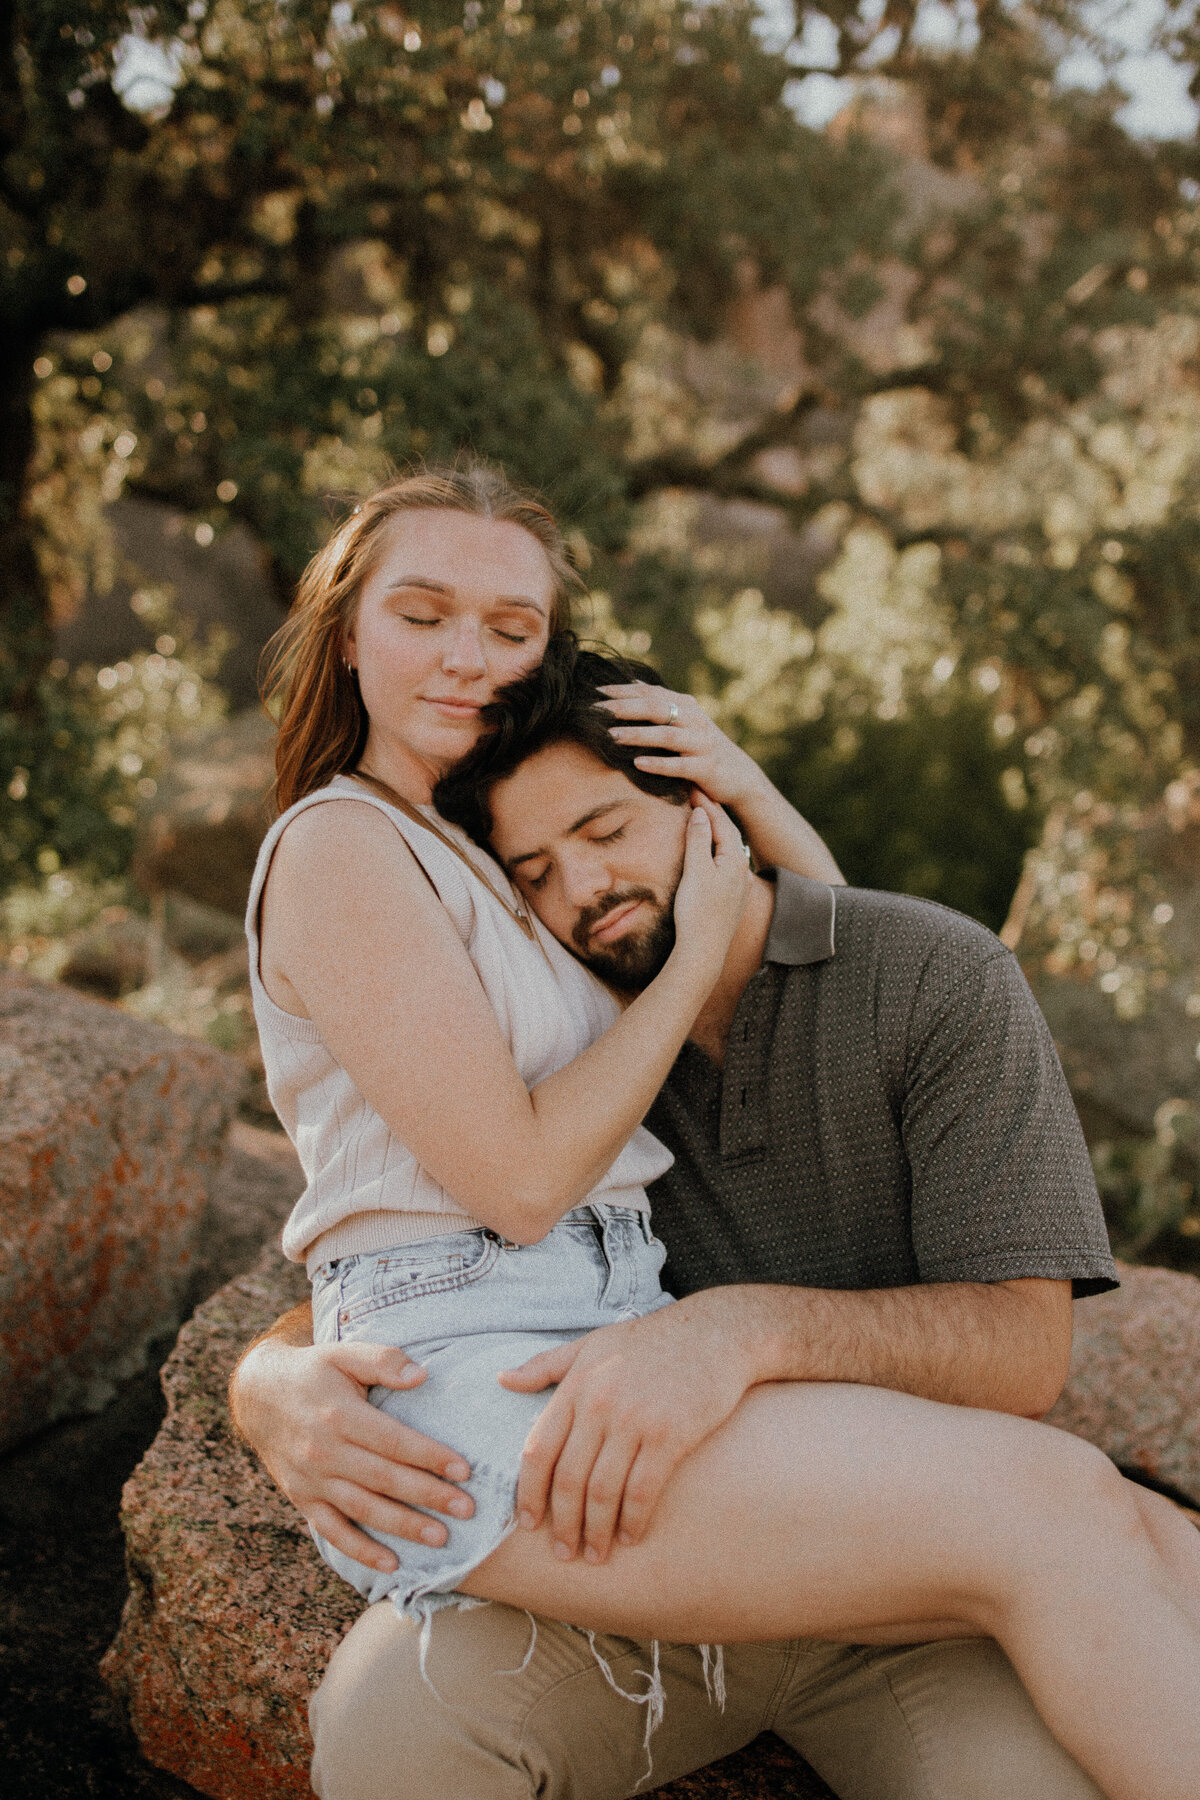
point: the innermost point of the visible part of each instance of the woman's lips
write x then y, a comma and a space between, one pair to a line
455, 709
614, 924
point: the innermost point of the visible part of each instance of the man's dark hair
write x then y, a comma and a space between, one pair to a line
556, 704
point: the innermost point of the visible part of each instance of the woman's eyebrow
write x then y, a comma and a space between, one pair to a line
440, 587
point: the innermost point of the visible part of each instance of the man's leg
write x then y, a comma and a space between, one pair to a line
946, 1721
483, 1728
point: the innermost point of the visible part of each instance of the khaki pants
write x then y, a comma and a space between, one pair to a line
945, 1721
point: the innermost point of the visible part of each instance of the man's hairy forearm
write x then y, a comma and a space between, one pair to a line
1005, 1346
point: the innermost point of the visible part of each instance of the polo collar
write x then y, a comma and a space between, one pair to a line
803, 920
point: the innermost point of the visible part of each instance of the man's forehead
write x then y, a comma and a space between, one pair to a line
551, 794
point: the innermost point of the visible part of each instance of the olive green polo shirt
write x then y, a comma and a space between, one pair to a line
892, 1110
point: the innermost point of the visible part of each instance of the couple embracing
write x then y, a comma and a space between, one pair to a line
627, 1484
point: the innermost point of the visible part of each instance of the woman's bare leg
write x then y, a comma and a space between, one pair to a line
1178, 1543
846, 1512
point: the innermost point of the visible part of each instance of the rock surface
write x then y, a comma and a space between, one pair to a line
1135, 1376
232, 1615
110, 1134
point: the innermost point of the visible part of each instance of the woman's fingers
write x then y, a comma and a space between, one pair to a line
727, 839
642, 700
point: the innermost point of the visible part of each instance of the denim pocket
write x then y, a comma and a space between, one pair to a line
395, 1277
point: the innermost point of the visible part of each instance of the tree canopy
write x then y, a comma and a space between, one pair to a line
943, 352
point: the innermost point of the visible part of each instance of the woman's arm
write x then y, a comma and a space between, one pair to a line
692, 747
374, 961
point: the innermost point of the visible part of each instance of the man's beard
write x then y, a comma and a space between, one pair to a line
632, 962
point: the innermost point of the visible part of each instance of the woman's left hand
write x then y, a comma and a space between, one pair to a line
677, 738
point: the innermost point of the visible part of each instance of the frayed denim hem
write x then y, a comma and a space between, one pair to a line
419, 1594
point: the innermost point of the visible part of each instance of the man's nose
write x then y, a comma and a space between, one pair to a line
585, 879
464, 652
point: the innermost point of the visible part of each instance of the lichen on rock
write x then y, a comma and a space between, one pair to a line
110, 1136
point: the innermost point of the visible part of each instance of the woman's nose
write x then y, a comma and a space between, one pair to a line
464, 653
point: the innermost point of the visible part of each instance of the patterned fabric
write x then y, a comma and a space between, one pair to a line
892, 1110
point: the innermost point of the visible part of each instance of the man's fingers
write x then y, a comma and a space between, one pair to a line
568, 1492
543, 1446
545, 1370
374, 1430
373, 1511
337, 1529
398, 1481
652, 1469
604, 1491
376, 1365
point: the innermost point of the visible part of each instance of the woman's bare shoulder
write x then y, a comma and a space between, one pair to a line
337, 837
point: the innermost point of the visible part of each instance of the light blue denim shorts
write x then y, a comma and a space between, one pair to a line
466, 1306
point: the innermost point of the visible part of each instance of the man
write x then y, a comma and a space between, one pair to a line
878, 1178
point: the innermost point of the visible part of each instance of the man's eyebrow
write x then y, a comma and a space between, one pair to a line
597, 812
440, 587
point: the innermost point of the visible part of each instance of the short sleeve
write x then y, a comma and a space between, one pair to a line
1002, 1185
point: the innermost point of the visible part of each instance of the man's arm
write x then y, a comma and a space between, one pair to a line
633, 1400
303, 1409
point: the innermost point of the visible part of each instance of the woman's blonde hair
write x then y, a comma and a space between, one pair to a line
322, 721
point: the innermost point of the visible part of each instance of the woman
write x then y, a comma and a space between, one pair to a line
455, 1083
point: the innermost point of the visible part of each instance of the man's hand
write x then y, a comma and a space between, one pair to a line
304, 1409
633, 1400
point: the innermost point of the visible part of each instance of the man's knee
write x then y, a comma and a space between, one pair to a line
946, 1721
383, 1729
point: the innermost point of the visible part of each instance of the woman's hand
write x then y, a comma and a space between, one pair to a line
713, 889
658, 722
678, 738
304, 1410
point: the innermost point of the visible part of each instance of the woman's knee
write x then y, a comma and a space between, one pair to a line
1066, 1503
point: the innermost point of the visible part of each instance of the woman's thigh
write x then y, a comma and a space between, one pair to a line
821, 1510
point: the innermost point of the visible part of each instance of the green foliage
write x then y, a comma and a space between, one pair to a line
1149, 1189
61, 802
80, 764
347, 236
917, 805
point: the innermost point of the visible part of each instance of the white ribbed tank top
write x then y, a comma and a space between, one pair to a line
365, 1190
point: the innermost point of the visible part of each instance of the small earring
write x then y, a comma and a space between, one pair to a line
350, 668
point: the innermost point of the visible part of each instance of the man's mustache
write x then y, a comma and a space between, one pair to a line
591, 916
